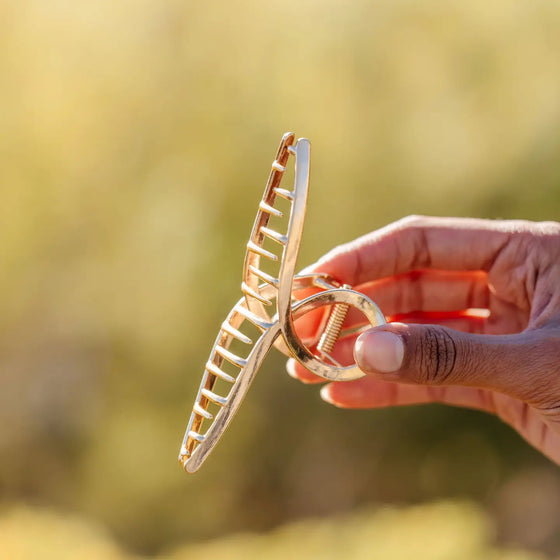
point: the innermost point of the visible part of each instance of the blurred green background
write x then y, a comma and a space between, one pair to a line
135, 140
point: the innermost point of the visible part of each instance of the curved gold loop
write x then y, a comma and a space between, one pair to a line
302, 354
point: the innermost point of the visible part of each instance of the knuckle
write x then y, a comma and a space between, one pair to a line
411, 221
549, 409
436, 357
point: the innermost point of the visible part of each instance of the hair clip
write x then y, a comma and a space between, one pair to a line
236, 356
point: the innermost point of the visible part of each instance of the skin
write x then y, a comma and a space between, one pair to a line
477, 309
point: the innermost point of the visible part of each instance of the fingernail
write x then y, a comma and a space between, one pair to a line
291, 368
325, 394
379, 351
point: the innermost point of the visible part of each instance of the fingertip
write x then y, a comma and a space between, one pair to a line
329, 394
290, 367
379, 350
298, 372
325, 394
362, 393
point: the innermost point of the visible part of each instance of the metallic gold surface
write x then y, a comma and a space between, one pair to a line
264, 293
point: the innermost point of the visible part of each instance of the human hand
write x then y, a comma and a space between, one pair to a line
481, 302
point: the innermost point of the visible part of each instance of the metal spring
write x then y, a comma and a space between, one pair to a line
334, 327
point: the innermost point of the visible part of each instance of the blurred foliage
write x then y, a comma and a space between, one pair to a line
135, 140
443, 531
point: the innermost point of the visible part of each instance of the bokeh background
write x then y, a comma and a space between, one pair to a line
135, 140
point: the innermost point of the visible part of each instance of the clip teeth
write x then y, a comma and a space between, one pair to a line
217, 399
213, 368
270, 209
196, 436
231, 357
202, 412
274, 235
254, 248
284, 193
264, 276
229, 329
252, 293
253, 318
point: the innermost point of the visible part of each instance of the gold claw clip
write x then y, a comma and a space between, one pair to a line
265, 315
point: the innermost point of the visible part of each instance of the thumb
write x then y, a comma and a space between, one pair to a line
523, 365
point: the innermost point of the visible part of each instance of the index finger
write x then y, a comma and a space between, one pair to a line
419, 242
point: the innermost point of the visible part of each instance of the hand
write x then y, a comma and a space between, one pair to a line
490, 293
